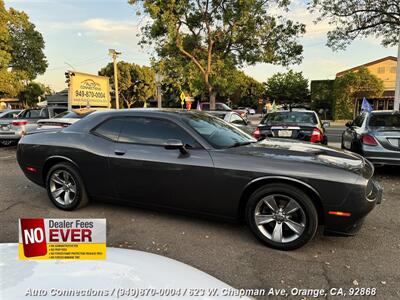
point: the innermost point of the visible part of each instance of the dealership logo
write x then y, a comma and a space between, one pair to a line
62, 239
90, 84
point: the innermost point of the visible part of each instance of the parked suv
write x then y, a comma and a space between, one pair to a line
11, 130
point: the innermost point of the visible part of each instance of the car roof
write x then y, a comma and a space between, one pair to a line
293, 110
384, 112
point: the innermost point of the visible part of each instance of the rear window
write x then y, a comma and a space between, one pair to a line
72, 115
290, 117
385, 120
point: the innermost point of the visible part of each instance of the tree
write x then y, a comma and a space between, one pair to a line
27, 45
290, 86
136, 83
30, 93
212, 33
351, 86
21, 51
359, 18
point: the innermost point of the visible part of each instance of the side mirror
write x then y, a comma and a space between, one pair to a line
176, 144
326, 124
349, 124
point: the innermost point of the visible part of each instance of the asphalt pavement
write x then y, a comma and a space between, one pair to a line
229, 251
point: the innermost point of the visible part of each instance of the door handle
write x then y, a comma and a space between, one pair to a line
119, 152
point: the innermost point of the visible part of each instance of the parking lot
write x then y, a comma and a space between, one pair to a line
229, 251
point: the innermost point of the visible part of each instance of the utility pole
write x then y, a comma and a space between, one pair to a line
159, 79
114, 54
397, 93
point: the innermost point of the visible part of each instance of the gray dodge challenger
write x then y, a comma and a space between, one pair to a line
195, 163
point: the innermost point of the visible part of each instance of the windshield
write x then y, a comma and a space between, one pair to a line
289, 117
381, 120
217, 132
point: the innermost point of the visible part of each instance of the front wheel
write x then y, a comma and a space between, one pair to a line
65, 187
282, 216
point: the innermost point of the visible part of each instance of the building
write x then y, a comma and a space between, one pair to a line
385, 69
322, 98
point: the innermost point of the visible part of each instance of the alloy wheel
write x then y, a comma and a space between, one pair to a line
63, 187
280, 218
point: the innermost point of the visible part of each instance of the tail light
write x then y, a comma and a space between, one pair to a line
257, 133
19, 123
316, 136
369, 140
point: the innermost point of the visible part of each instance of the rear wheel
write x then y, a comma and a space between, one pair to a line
282, 216
65, 187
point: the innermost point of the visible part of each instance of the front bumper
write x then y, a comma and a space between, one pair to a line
359, 207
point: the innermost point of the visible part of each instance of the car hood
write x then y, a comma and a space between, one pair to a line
286, 149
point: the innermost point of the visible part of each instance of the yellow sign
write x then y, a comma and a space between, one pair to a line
182, 96
89, 90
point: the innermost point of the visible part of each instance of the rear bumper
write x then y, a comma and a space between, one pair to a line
359, 206
381, 156
11, 136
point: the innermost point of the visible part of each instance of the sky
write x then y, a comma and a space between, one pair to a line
78, 34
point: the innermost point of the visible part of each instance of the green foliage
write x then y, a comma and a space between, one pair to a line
229, 84
136, 83
351, 86
30, 93
289, 87
322, 96
359, 18
214, 35
27, 45
21, 51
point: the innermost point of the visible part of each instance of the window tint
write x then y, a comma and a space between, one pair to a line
153, 132
235, 119
294, 117
359, 120
385, 121
110, 128
217, 132
57, 111
32, 114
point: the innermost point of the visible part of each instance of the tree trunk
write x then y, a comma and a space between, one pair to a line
213, 95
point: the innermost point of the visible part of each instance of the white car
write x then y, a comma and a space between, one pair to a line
65, 119
124, 271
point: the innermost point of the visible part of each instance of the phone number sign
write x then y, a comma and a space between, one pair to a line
89, 90
70, 239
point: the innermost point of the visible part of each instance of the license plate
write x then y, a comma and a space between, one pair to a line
394, 142
5, 127
284, 133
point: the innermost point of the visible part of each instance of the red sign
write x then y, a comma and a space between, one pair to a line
33, 237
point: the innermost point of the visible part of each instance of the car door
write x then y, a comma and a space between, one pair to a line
352, 133
145, 172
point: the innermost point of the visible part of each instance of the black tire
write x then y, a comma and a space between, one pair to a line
80, 196
281, 192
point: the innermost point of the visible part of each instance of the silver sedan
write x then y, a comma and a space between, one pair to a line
376, 136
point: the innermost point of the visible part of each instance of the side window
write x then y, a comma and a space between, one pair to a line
110, 129
153, 131
57, 111
359, 120
235, 119
44, 113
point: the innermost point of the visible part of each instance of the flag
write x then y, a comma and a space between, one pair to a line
198, 105
365, 106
